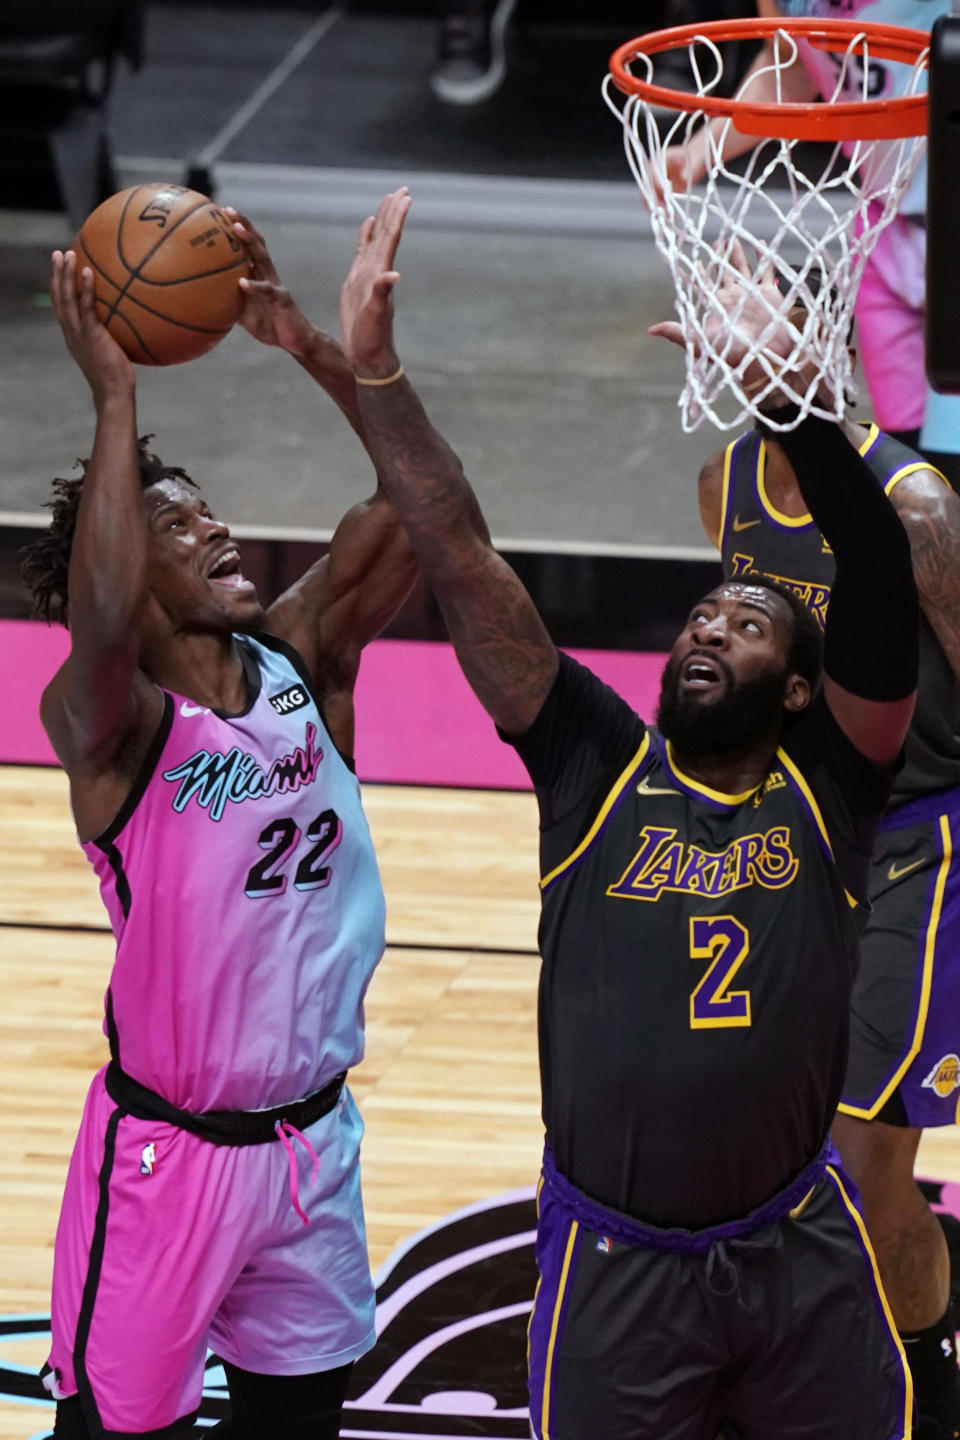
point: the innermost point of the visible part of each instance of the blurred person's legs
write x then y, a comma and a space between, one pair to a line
472, 57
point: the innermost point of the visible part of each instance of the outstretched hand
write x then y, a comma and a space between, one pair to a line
680, 167
269, 313
105, 366
366, 306
739, 315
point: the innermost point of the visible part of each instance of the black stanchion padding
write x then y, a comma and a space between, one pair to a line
943, 208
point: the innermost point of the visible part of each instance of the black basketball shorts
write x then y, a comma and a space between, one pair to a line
783, 1334
904, 1063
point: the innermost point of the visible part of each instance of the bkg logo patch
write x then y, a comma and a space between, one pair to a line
944, 1078
288, 700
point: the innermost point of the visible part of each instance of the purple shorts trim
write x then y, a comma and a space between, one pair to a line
627, 1231
923, 809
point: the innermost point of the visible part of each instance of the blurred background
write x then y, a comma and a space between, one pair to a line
529, 276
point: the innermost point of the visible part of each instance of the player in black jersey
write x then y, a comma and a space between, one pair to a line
702, 1258
904, 1070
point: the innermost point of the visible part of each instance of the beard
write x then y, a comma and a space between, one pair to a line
744, 715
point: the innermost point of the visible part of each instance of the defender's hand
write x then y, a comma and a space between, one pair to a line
683, 166
105, 366
269, 313
739, 315
366, 307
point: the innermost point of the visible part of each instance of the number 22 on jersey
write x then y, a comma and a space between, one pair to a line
723, 941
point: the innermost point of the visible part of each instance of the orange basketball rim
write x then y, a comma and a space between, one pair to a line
880, 119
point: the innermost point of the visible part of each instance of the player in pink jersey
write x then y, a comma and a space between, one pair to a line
213, 1193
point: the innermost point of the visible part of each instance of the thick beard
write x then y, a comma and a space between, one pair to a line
746, 714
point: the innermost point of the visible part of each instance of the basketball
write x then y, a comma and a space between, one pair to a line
166, 267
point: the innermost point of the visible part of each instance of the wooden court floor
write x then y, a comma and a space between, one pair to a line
449, 1088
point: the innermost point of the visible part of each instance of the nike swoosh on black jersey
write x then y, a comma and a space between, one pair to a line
645, 788
894, 874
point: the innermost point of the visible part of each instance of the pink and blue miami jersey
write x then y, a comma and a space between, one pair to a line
885, 80
244, 895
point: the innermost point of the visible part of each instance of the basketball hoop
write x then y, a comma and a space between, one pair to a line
816, 233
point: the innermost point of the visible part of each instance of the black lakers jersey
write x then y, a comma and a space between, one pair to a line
699, 951
757, 538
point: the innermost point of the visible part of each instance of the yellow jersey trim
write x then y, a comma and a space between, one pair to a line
857, 1219
725, 492
815, 811
700, 789
906, 470
618, 787
554, 1327
793, 522
929, 950
796, 522
873, 434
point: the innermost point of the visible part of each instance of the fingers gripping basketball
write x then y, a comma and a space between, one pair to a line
166, 267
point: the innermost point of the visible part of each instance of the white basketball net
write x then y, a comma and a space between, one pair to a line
818, 235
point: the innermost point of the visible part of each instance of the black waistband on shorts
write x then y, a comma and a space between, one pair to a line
220, 1127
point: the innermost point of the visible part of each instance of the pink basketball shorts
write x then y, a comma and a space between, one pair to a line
168, 1243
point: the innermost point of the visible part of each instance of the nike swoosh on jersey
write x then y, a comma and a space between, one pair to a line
645, 788
739, 524
894, 874
186, 709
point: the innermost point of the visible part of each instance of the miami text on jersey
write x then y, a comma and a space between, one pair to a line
212, 777
665, 863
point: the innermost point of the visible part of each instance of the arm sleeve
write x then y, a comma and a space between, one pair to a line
871, 639
851, 792
584, 733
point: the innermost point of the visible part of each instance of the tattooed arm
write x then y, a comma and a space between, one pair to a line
501, 642
930, 513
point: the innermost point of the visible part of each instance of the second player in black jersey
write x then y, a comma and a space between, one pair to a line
685, 892
702, 1259
904, 1068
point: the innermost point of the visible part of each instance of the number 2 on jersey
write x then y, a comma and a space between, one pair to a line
723, 941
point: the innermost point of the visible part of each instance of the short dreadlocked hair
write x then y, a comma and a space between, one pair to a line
45, 563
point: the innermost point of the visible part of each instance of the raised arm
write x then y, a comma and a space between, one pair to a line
344, 601
348, 596
929, 511
99, 701
870, 644
501, 642
272, 316
686, 164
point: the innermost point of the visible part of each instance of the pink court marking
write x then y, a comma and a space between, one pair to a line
418, 722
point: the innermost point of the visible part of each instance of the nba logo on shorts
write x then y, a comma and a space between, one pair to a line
944, 1078
148, 1158
604, 1245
